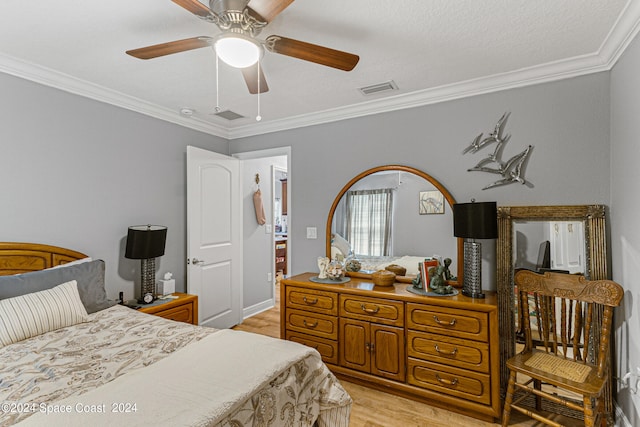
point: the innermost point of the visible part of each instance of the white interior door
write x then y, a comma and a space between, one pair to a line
214, 237
567, 246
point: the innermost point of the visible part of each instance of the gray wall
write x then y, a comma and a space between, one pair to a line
76, 173
567, 122
625, 206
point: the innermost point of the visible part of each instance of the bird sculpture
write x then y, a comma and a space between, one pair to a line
492, 158
495, 136
512, 169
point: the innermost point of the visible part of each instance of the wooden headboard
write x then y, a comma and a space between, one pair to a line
18, 258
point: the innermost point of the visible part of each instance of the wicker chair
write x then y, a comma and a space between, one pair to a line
571, 327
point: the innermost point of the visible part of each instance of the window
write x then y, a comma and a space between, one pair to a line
369, 219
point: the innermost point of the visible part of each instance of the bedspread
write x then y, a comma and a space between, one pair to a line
212, 378
255, 381
73, 360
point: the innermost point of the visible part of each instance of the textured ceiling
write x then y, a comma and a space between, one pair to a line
433, 50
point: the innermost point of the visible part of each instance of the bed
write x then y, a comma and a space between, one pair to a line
111, 365
341, 251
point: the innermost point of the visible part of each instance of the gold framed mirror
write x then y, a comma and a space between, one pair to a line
592, 218
442, 225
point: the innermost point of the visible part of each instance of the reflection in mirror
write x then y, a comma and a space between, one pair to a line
577, 244
549, 245
379, 219
540, 246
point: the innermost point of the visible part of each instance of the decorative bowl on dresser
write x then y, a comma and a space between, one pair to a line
443, 351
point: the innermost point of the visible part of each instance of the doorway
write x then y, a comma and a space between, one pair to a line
259, 240
280, 221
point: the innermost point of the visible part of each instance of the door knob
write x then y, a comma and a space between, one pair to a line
196, 261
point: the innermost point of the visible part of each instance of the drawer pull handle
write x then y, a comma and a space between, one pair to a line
369, 310
452, 322
310, 302
448, 353
309, 325
452, 382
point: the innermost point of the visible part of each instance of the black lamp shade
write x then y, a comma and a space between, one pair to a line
475, 220
145, 241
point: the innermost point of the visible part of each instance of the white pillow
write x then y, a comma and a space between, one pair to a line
341, 244
34, 314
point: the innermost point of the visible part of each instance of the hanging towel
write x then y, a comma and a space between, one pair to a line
257, 203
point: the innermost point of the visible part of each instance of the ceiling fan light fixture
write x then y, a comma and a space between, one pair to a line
237, 51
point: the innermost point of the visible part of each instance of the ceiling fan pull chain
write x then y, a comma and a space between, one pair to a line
258, 117
217, 86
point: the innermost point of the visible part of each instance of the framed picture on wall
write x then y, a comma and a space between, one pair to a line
431, 202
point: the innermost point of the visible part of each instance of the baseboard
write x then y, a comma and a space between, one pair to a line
258, 308
621, 418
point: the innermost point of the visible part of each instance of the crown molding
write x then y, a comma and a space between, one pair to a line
526, 77
622, 33
67, 83
618, 39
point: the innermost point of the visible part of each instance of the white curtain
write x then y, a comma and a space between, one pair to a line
369, 220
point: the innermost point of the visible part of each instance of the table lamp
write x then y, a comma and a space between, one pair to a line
146, 243
474, 221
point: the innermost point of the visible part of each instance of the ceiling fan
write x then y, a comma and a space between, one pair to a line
241, 21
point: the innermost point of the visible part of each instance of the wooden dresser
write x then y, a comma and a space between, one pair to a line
443, 351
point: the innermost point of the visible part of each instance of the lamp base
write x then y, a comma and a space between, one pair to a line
472, 294
147, 281
472, 286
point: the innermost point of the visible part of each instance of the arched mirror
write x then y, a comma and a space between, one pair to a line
570, 239
413, 220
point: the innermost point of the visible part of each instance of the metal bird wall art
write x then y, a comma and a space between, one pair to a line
495, 136
512, 170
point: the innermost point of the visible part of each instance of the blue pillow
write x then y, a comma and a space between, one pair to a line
88, 275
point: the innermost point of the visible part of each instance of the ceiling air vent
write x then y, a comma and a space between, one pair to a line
380, 87
228, 114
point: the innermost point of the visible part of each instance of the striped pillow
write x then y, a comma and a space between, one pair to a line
33, 314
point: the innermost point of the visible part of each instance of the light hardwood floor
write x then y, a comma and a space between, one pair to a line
372, 408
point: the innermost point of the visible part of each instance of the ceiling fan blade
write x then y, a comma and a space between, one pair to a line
312, 52
251, 76
163, 49
195, 7
267, 10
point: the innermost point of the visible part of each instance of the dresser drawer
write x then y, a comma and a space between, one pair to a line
312, 300
468, 385
184, 308
386, 312
456, 352
473, 325
184, 313
328, 349
312, 323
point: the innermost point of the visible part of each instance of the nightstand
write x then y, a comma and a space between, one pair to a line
182, 309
